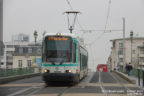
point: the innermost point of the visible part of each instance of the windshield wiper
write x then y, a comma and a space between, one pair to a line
62, 60
52, 62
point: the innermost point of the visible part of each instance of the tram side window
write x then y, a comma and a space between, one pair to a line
43, 54
80, 62
74, 52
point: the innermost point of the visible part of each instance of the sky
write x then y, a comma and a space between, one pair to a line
25, 16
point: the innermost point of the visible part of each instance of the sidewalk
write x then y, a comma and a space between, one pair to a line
137, 82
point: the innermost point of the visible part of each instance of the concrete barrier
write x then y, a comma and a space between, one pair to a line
124, 76
18, 77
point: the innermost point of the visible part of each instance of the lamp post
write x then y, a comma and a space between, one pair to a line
131, 37
35, 65
35, 36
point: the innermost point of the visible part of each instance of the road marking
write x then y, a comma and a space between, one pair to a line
21, 85
101, 85
26, 89
111, 85
44, 95
121, 95
86, 81
18, 92
83, 94
71, 94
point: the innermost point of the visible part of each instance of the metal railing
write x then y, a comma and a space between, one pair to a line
16, 71
135, 73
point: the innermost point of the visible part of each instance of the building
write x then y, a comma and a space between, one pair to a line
20, 38
1, 31
26, 55
7, 60
134, 53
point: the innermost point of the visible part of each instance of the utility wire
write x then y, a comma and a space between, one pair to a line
68, 2
107, 18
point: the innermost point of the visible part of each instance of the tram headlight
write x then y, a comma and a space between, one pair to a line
68, 71
46, 71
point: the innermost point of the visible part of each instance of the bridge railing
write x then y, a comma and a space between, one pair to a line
135, 72
16, 71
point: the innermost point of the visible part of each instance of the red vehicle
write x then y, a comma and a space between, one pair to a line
102, 68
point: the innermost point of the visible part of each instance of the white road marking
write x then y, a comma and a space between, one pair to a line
101, 85
86, 81
26, 89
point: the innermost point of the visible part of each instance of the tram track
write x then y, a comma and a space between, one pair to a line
102, 86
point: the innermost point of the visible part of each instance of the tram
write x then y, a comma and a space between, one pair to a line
64, 58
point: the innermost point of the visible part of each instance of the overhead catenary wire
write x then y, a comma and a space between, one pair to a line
68, 2
70, 6
105, 27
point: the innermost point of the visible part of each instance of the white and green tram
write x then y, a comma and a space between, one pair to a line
64, 58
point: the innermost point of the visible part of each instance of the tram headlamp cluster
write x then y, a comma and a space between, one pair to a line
68, 71
46, 71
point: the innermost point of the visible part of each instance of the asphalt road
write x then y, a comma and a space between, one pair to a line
95, 84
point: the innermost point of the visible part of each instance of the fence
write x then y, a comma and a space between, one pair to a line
135, 73
16, 71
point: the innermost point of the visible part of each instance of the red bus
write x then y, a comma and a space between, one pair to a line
102, 68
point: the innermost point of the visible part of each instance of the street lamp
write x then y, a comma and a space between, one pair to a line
35, 36
131, 37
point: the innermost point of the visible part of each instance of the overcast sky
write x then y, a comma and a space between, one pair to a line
25, 16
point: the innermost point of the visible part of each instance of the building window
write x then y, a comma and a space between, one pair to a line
29, 50
20, 63
120, 59
142, 51
39, 50
141, 59
29, 63
25, 50
120, 52
143, 44
133, 51
121, 45
9, 46
20, 50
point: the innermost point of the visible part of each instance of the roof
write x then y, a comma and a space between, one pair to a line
134, 38
63, 34
81, 41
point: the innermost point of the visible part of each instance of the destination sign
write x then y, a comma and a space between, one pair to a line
57, 38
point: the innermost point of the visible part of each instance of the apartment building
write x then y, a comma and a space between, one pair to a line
26, 55
134, 52
9, 49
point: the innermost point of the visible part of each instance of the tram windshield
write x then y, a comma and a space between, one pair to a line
58, 49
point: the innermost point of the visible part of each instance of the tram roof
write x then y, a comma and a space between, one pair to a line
62, 34
81, 41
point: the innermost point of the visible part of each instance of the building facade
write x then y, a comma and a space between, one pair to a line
25, 56
20, 37
134, 53
9, 49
